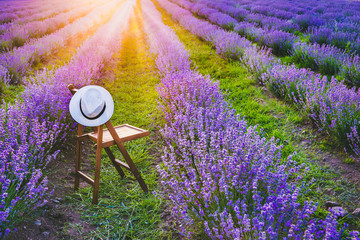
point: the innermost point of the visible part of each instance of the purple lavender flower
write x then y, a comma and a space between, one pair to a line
308, 20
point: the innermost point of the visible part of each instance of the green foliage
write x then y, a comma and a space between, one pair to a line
4, 46
349, 160
18, 41
2, 88
229, 27
10, 92
304, 37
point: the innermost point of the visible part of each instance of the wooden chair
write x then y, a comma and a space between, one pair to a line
104, 139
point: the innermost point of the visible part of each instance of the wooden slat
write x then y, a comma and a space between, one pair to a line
86, 178
72, 89
113, 160
83, 137
125, 132
122, 164
133, 127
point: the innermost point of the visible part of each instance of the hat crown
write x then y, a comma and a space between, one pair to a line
91, 106
92, 103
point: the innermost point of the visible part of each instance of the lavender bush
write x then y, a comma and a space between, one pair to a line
337, 110
328, 60
329, 35
292, 84
258, 61
329, 104
222, 174
308, 20
351, 72
281, 43
25, 148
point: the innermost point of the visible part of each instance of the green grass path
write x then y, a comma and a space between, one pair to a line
124, 211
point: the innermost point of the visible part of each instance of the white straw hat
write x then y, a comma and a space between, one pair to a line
91, 106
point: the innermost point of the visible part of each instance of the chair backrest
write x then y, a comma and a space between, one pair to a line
72, 89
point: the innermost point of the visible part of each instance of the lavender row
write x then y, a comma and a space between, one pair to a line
16, 6
224, 179
329, 103
344, 35
163, 42
323, 23
33, 12
259, 19
12, 6
19, 60
309, 14
255, 17
47, 10
331, 119
267, 9
238, 14
31, 130
328, 60
322, 34
226, 43
318, 31
251, 28
281, 42
17, 35
50, 9
332, 106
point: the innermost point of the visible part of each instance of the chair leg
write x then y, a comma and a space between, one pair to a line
112, 158
126, 155
132, 167
78, 158
97, 165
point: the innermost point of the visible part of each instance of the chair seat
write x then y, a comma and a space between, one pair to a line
126, 133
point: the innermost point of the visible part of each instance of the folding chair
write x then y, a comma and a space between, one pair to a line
104, 139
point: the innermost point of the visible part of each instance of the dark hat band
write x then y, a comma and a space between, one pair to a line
92, 118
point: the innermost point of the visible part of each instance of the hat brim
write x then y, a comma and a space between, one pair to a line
75, 112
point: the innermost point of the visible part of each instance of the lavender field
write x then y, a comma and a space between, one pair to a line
253, 108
